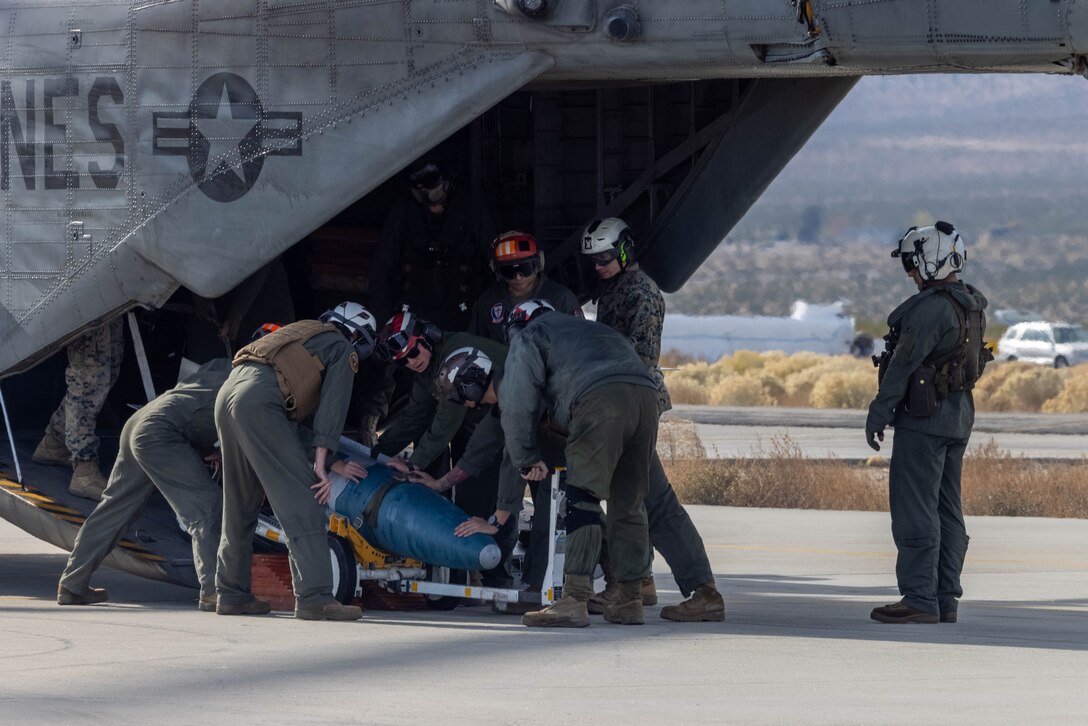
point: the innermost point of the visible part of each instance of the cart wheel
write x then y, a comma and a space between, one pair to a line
345, 576
445, 576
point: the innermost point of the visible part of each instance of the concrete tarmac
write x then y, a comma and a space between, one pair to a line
797, 645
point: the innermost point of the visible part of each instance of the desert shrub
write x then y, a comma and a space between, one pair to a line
777, 476
702, 481
699, 373
847, 389
784, 366
672, 358
799, 385
744, 361
684, 390
1074, 394
807, 379
773, 390
1017, 387
738, 391
995, 483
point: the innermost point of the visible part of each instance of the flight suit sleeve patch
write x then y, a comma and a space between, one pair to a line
353, 361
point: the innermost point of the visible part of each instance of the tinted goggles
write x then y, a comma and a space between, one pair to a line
525, 268
400, 347
602, 259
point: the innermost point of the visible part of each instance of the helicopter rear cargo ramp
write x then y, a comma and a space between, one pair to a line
154, 546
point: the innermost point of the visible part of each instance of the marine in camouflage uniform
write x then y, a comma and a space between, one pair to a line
162, 447
631, 304
94, 361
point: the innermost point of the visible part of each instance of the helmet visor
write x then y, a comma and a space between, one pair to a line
906, 258
401, 348
395, 346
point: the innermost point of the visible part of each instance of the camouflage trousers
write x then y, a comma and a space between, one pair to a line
94, 360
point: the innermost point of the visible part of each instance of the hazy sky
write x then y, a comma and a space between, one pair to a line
992, 150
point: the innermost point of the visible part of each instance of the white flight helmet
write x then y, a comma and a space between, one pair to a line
526, 313
464, 376
609, 236
357, 325
936, 252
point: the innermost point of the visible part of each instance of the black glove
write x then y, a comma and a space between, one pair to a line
871, 436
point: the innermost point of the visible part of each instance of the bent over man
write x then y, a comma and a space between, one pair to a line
303, 369
935, 354
592, 387
161, 447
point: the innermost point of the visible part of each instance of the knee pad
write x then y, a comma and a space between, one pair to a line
583, 510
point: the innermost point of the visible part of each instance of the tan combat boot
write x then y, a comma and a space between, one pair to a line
627, 608
611, 591
604, 598
87, 481
253, 606
51, 451
570, 611
649, 591
90, 596
704, 605
329, 611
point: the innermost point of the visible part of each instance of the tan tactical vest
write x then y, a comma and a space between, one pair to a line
298, 371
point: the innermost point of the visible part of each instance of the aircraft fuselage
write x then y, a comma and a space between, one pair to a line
161, 143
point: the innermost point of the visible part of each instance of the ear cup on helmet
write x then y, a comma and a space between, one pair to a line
626, 248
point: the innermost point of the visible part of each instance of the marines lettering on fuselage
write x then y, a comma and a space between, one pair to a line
19, 124
227, 130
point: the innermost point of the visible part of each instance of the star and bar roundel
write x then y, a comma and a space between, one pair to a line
226, 135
